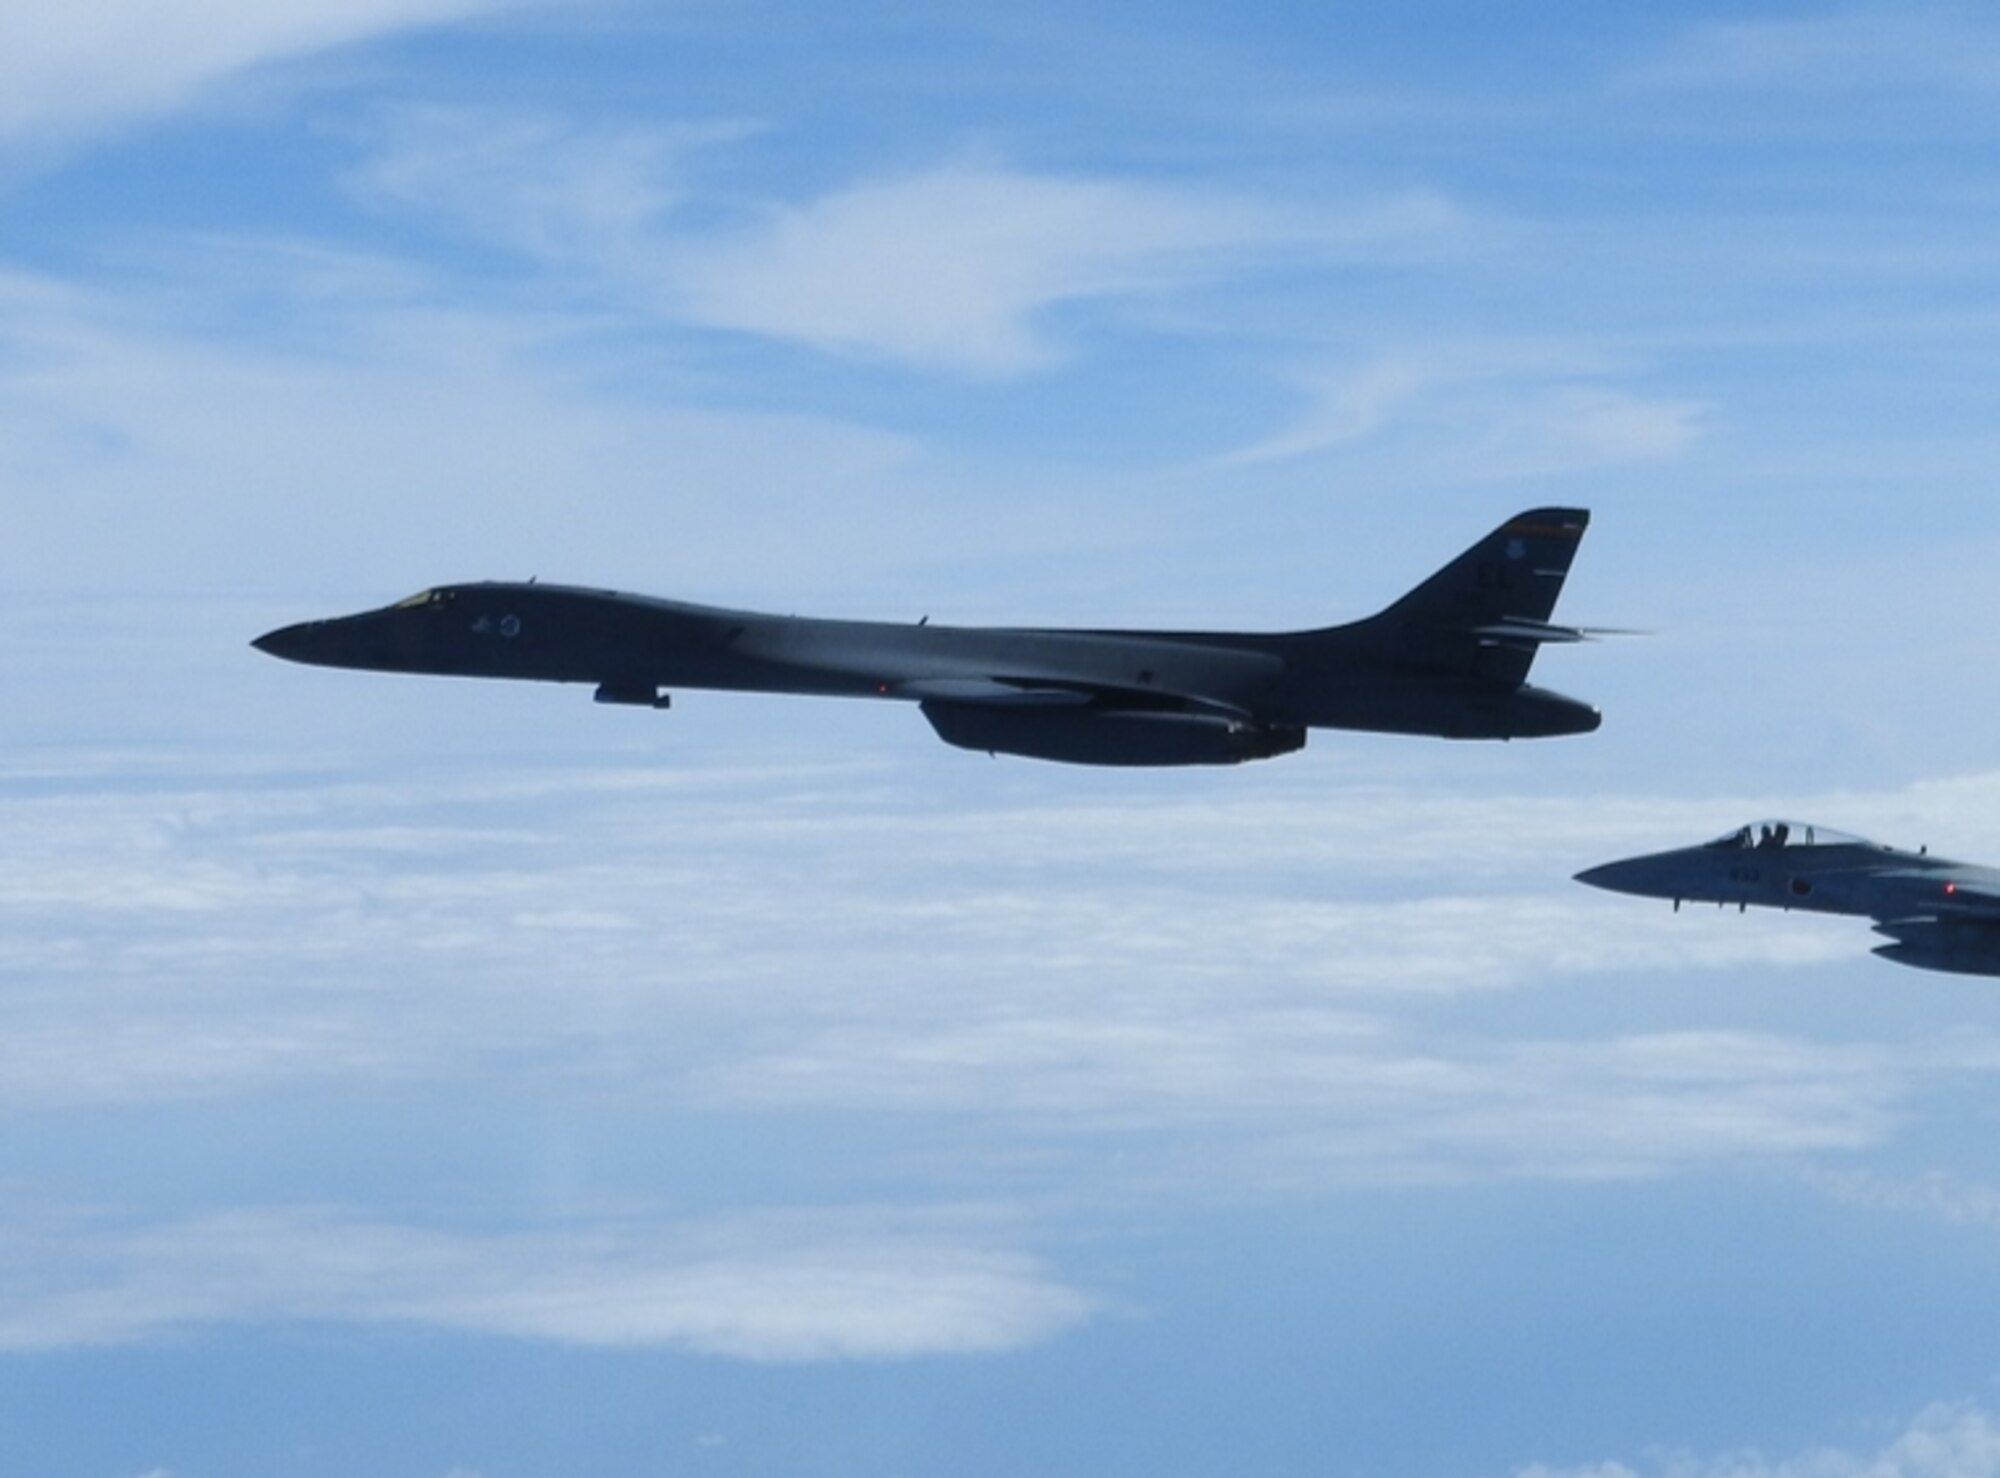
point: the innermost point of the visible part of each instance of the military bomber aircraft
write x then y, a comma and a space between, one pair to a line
1449, 659
1937, 914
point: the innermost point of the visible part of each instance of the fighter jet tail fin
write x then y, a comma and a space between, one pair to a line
1487, 612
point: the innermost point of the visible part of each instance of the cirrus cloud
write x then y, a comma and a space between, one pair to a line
960, 266
957, 267
77, 67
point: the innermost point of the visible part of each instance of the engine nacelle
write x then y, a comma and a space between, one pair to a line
1109, 736
1957, 946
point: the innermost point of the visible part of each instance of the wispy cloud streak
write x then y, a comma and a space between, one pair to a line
836, 1285
78, 67
1854, 48
963, 266
1506, 410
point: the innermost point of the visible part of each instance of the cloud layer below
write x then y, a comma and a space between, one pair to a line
1945, 1440
1268, 967
829, 1285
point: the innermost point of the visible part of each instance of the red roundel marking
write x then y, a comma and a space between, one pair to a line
1801, 887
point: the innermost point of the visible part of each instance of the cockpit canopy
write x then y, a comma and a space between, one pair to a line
425, 598
1762, 834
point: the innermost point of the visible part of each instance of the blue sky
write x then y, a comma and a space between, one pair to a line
464, 1081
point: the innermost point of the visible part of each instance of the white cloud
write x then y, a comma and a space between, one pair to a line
959, 267
1345, 407
816, 939
476, 437
1923, 46
1487, 410
1949, 1439
1568, 428
832, 1285
1319, 1098
535, 183
91, 63
1935, 1195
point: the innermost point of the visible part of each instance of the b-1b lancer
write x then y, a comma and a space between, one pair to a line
1938, 914
1449, 659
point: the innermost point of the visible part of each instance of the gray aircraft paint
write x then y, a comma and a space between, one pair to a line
1938, 914
1449, 659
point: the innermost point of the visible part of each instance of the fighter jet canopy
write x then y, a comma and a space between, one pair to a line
1787, 834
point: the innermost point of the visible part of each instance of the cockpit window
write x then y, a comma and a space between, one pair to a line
1772, 834
424, 598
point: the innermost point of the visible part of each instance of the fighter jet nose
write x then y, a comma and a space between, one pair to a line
287, 641
1642, 876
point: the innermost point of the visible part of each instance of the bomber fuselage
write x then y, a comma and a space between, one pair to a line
630, 643
1450, 658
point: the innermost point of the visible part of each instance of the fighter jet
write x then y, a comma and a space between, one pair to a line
1449, 659
1938, 914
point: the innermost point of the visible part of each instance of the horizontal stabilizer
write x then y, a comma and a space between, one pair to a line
1529, 631
1528, 635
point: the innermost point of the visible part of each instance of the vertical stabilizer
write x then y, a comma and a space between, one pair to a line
1487, 612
